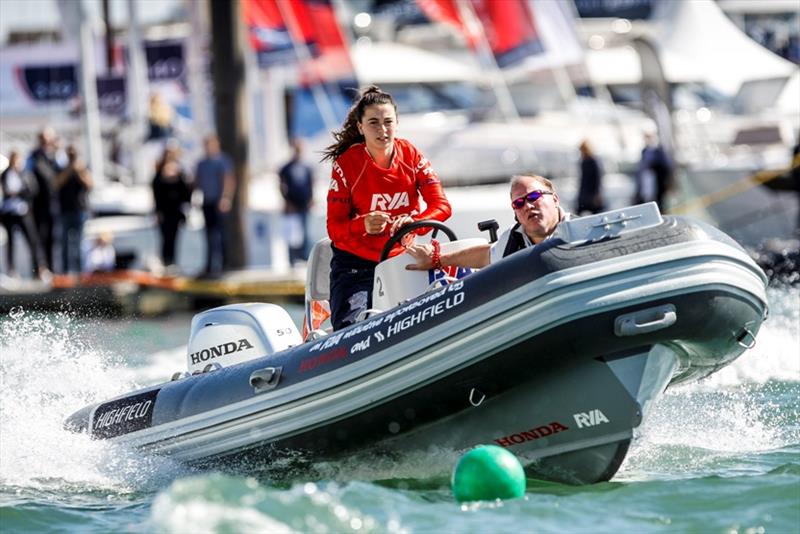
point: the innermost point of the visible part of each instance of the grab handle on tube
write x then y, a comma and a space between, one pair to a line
265, 379
645, 321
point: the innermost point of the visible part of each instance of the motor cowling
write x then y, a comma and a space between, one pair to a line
236, 333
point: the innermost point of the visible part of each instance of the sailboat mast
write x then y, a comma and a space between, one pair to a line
91, 114
319, 94
487, 59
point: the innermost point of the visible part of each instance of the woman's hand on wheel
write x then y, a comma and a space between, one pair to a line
407, 229
375, 222
398, 222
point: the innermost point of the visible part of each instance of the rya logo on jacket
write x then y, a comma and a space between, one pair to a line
386, 201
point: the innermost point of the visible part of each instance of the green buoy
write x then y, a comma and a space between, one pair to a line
486, 473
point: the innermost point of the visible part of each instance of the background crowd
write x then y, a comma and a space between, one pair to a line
44, 199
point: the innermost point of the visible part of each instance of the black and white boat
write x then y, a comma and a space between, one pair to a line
555, 352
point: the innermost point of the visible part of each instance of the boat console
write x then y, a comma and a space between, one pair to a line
395, 284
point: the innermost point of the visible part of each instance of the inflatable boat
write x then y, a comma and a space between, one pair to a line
555, 352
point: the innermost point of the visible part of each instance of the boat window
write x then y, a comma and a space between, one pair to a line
626, 95
689, 95
695, 95
531, 98
755, 95
430, 97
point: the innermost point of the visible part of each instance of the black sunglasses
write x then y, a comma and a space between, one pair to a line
531, 197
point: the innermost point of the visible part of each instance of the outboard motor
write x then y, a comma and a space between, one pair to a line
236, 333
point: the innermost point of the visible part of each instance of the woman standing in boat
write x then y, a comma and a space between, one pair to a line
376, 184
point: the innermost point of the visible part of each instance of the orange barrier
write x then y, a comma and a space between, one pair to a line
141, 278
181, 284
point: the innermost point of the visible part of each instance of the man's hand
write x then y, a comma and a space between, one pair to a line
422, 254
224, 205
375, 222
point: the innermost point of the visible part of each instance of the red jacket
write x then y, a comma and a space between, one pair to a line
359, 186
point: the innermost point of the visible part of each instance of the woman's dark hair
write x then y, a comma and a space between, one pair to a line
349, 134
171, 148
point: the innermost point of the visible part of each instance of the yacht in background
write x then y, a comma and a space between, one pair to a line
448, 110
731, 129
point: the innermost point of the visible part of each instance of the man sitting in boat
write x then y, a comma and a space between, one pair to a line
537, 212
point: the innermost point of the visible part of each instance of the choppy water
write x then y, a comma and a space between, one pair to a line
720, 456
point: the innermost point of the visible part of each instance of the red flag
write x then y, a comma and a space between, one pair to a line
508, 25
276, 26
268, 35
509, 28
323, 35
447, 11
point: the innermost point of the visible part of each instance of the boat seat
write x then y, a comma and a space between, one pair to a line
318, 289
318, 271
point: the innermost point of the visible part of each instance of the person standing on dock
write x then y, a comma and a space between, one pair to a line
171, 195
16, 212
590, 194
72, 186
43, 165
297, 189
214, 178
376, 184
654, 176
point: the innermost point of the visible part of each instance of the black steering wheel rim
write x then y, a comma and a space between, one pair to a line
410, 228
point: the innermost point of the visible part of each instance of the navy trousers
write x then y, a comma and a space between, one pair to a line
351, 287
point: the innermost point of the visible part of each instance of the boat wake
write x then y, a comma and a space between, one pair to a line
774, 357
47, 369
750, 407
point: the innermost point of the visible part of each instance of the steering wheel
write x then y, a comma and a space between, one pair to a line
436, 225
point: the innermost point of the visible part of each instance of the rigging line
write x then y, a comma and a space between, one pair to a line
739, 186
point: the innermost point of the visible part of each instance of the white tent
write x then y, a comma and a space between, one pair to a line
698, 42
